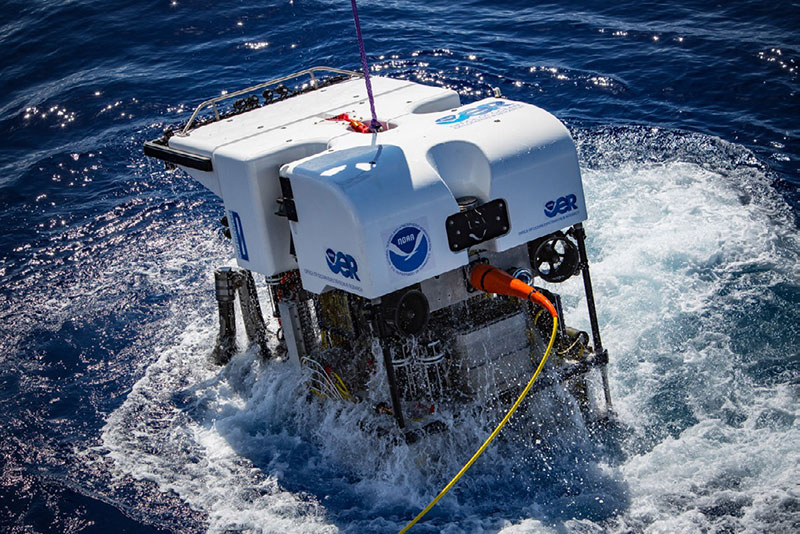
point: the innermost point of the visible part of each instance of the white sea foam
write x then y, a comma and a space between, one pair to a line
686, 254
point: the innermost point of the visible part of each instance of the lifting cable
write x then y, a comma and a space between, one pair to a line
374, 125
494, 434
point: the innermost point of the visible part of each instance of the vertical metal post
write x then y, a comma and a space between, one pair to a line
599, 351
292, 331
273, 282
224, 288
380, 326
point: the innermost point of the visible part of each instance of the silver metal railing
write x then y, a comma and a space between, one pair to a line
307, 72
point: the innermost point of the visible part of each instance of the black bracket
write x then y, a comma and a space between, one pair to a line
477, 225
286, 207
155, 149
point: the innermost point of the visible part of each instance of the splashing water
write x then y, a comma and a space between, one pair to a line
689, 246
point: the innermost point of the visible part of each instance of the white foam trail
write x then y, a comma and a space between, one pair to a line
172, 429
679, 253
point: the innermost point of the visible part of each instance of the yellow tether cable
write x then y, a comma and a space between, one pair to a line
342, 388
491, 437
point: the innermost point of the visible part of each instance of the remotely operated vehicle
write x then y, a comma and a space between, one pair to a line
397, 249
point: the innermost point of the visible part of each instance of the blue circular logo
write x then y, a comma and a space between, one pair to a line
408, 249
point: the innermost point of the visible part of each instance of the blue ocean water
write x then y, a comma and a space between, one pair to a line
111, 418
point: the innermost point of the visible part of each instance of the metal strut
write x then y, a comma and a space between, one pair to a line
229, 282
380, 325
601, 354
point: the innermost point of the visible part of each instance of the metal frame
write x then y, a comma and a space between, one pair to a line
309, 72
601, 354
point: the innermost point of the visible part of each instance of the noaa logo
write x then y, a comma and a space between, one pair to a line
483, 109
341, 263
561, 205
408, 249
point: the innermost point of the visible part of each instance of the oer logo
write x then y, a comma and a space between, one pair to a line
408, 249
483, 109
341, 263
561, 205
